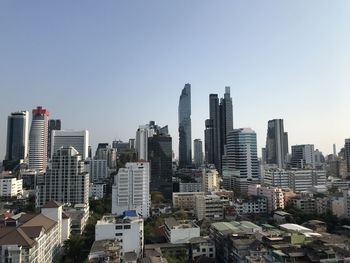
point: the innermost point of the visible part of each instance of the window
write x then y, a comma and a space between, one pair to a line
127, 226
118, 227
118, 234
204, 250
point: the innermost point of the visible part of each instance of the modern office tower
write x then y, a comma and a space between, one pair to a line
142, 135
17, 139
160, 158
242, 156
226, 118
214, 115
319, 158
276, 143
131, 144
198, 152
347, 154
102, 151
77, 139
121, 146
303, 156
53, 125
334, 152
38, 139
263, 155
209, 141
185, 138
98, 170
66, 180
131, 189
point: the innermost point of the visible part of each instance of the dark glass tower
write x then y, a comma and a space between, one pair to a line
276, 143
53, 125
17, 139
226, 118
185, 138
160, 158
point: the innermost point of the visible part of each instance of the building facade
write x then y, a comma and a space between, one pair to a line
77, 139
38, 137
17, 139
185, 134
198, 152
131, 189
276, 143
66, 181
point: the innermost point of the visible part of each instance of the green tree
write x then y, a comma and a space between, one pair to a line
73, 247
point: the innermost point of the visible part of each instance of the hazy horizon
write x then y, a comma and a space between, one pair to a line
109, 67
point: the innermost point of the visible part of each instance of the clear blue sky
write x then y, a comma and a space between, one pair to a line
108, 66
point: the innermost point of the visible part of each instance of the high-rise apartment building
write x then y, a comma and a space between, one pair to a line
276, 143
53, 125
160, 158
38, 139
77, 139
66, 180
17, 139
131, 189
185, 138
347, 154
198, 152
303, 156
242, 156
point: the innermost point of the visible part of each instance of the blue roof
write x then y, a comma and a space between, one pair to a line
130, 213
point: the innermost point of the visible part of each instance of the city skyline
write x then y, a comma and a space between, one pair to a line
276, 65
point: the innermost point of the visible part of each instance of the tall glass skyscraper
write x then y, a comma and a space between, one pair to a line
17, 138
185, 138
276, 143
242, 157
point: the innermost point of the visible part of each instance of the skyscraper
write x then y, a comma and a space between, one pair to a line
66, 181
347, 154
78, 139
209, 141
214, 114
131, 189
276, 143
142, 135
53, 125
160, 158
242, 158
17, 138
226, 118
185, 138
303, 156
198, 152
38, 139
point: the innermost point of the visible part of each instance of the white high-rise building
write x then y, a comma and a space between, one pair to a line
142, 135
77, 139
241, 160
131, 189
303, 156
38, 139
66, 180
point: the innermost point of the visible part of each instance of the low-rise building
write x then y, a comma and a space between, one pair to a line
26, 238
210, 207
253, 205
274, 196
106, 251
127, 229
177, 232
